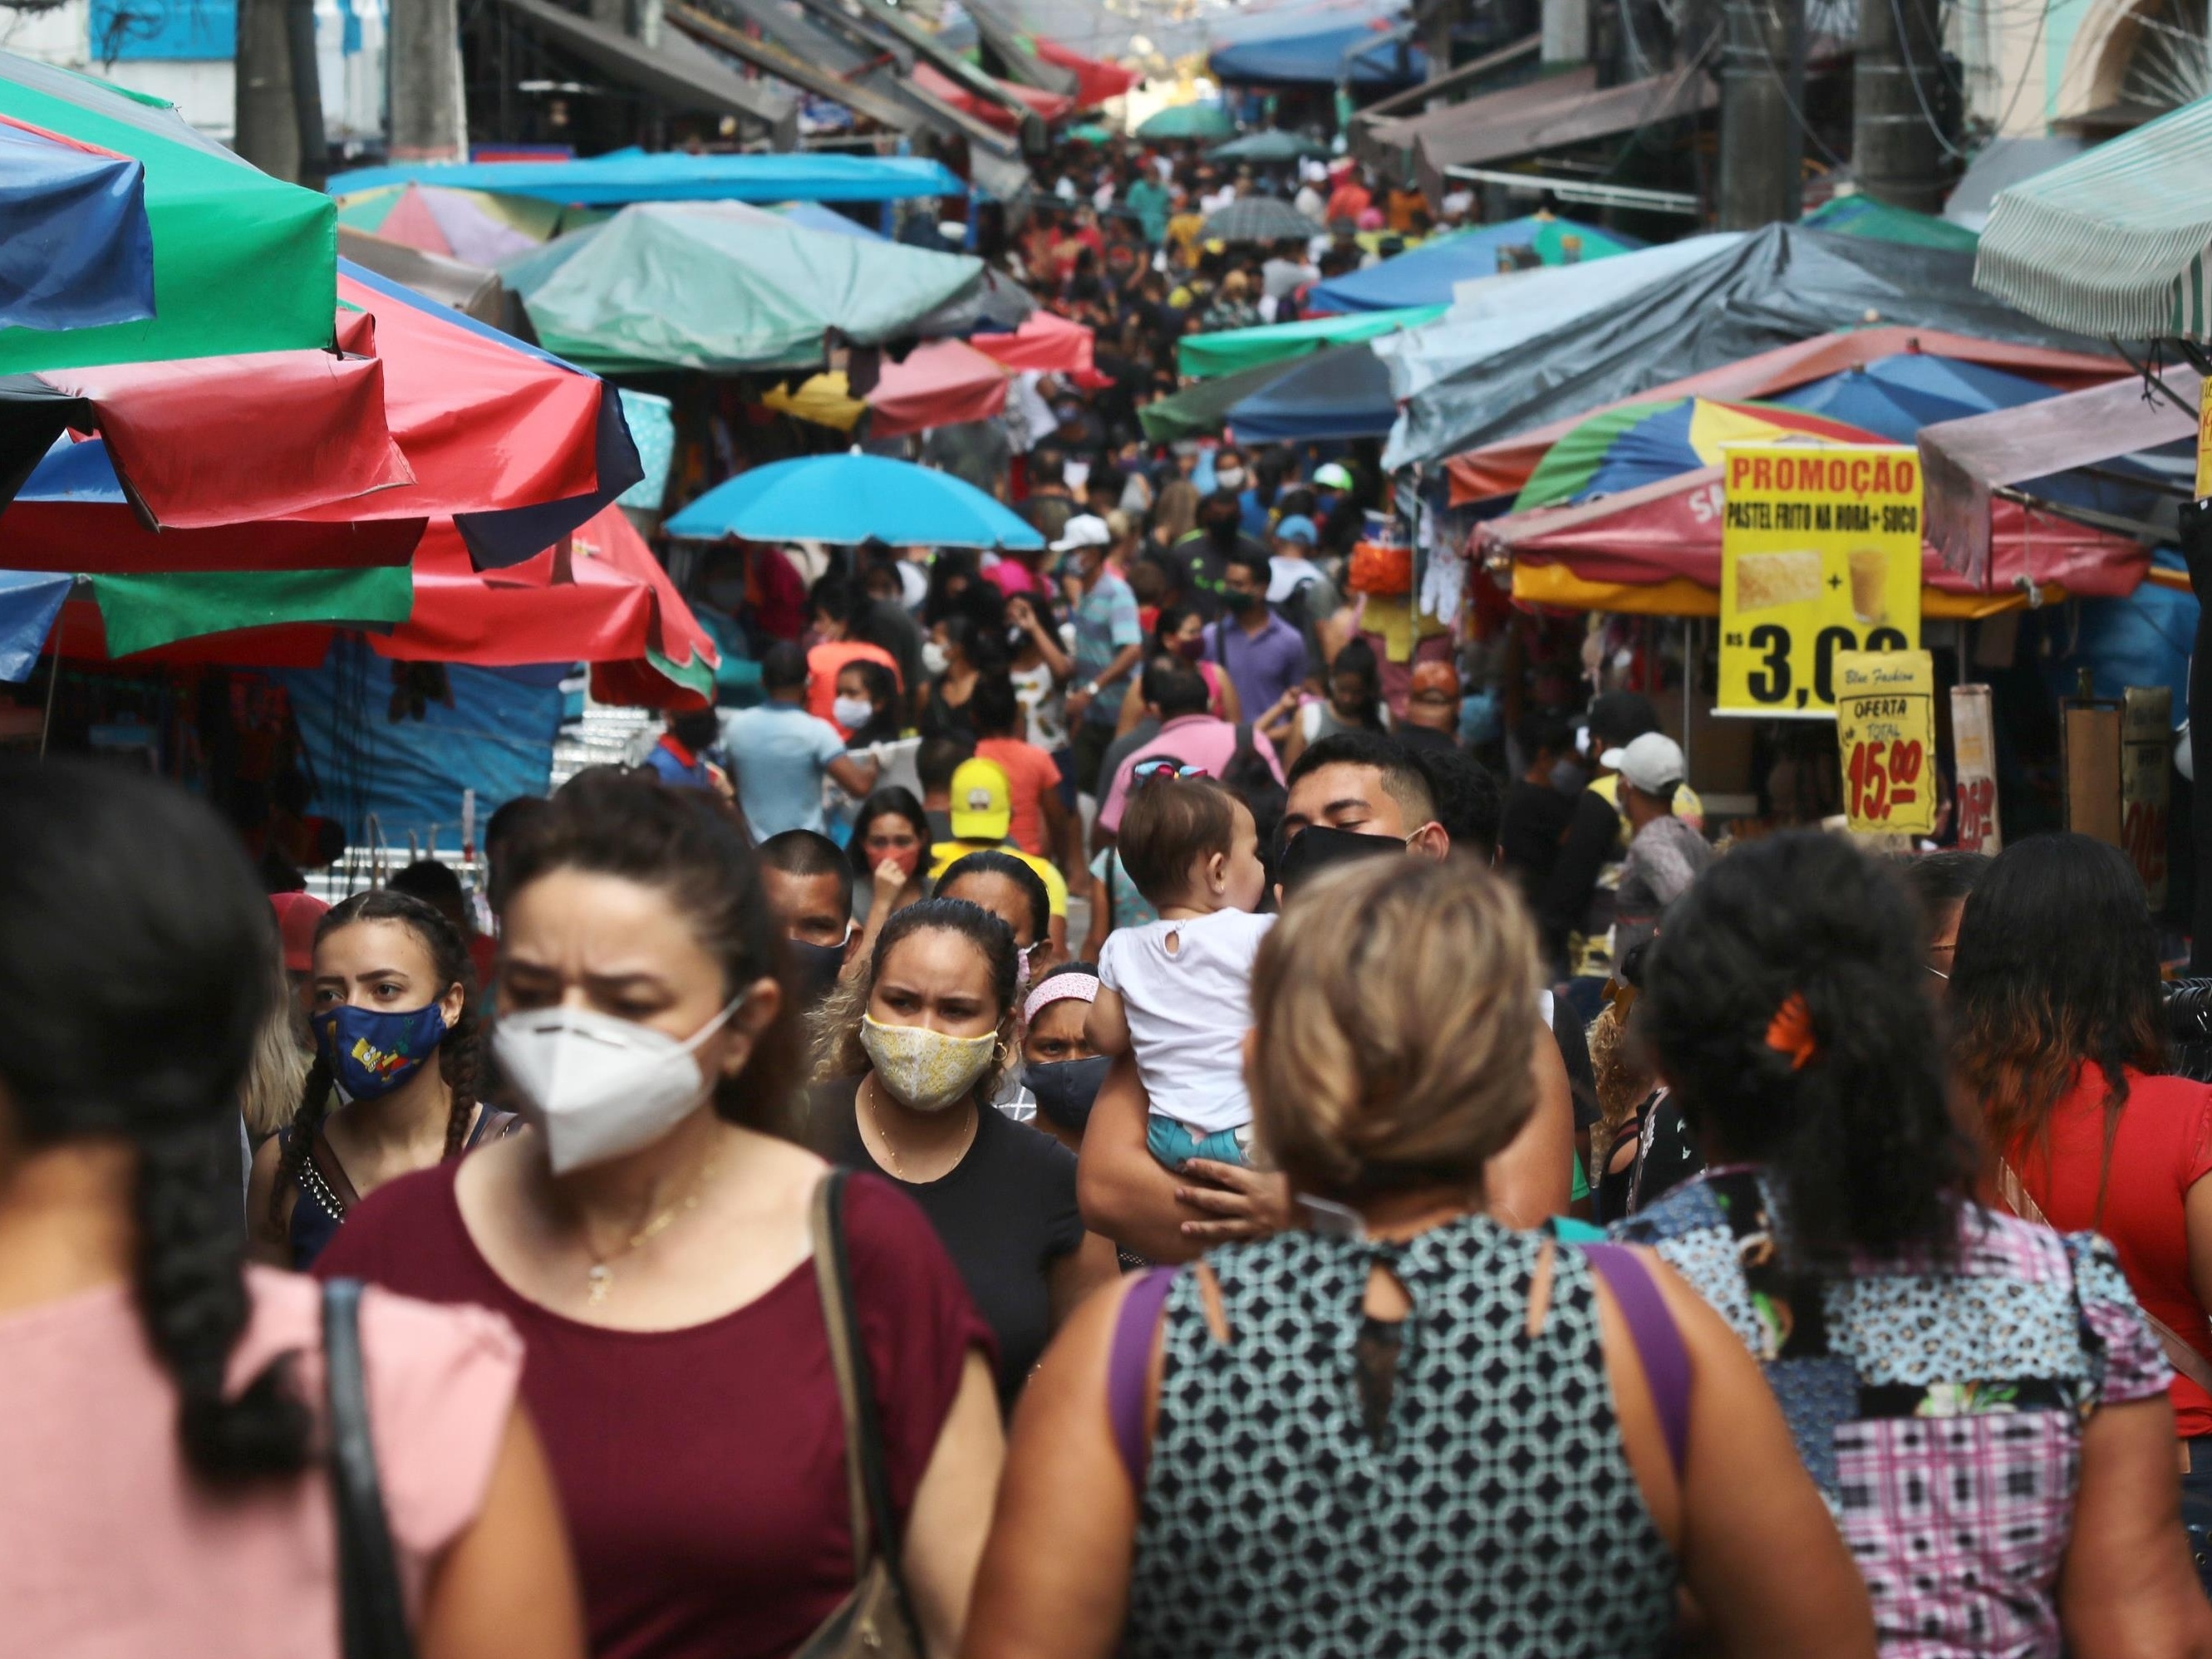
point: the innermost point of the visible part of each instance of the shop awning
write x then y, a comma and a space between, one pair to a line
2004, 163
1965, 462
1342, 392
2114, 242
676, 70
1554, 113
618, 180
1428, 274
1202, 356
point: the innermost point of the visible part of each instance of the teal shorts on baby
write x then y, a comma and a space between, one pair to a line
1175, 1143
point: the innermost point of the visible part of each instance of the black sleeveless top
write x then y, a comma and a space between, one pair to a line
325, 1193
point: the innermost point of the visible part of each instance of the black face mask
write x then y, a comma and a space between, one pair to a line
1065, 1089
1319, 848
814, 969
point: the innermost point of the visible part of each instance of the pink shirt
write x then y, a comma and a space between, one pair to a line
1194, 740
109, 1546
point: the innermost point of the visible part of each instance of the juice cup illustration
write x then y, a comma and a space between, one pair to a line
1869, 578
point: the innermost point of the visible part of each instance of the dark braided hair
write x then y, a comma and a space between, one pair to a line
458, 1060
131, 993
1860, 1138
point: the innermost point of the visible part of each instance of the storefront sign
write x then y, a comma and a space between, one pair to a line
1973, 747
2204, 439
2147, 782
1820, 555
1886, 732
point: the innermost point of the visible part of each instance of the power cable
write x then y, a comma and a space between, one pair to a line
1919, 95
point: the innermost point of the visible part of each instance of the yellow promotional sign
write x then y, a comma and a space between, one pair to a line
2204, 439
1886, 732
1820, 553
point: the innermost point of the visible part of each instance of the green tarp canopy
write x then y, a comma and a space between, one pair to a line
242, 262
1862, 215
1201, 356
144, 612
1272, 145
1199, 120
2115, 242
698, 286
1198, 410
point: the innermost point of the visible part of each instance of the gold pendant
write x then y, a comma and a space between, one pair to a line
600, 1278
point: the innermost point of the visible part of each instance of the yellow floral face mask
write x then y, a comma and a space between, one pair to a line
926, 1071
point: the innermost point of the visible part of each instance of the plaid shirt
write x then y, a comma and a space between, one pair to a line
1939, 1407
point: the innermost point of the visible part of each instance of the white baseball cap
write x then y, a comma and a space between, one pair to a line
1084, 530
1653, 763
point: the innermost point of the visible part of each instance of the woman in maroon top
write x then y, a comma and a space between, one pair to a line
2055, 1000
649, 1240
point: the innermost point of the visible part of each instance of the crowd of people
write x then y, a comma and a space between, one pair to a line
1113, 1107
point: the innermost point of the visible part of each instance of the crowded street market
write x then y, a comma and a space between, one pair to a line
1046, 829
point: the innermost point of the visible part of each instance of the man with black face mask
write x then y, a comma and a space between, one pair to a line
809, 883
1200, 557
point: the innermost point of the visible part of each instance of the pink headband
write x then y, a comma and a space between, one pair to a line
1061, 987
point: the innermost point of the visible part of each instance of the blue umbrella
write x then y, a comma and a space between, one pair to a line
75, 249
850, 499
29, 602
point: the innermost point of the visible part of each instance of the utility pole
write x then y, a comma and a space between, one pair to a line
314, 141
1762, 142
423, 55
1896, 150
267, 129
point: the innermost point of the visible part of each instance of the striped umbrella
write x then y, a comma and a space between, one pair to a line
478, 227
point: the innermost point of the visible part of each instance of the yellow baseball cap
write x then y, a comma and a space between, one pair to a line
982, 801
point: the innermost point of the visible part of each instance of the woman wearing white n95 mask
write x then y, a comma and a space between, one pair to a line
651, 1243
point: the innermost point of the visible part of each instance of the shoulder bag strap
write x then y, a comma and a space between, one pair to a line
324, 1158
2013, 1193
371, 1618
1129, 1361
875, 1529
1658, 1344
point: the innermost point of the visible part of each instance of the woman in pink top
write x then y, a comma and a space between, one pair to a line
160, 1404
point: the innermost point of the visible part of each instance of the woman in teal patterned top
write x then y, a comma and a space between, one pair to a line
1403, 1428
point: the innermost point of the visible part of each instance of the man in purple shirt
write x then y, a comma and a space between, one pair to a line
1264, 656
1175, 692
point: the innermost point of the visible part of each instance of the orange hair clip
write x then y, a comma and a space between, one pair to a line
1790, 1031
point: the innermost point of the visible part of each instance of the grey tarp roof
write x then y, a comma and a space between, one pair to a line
1774, 287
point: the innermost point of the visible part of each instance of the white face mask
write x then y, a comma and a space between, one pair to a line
924, 1071
933, 657
852, 712
597, 1087
1229, 479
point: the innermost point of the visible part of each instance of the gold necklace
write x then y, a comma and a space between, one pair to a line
875, 1120
599, 1277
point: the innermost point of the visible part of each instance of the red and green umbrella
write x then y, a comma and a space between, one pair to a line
1622, 449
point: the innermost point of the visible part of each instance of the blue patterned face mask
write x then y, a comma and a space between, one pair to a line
371, 1052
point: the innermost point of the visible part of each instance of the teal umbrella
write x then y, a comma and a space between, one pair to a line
1188, 121
849, 499
1272, 145
1089, 133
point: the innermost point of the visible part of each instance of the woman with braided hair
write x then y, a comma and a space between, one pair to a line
160, 1401
393, 1003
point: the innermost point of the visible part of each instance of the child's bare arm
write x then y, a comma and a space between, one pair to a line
1108, 1028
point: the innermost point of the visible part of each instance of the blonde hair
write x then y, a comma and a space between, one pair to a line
1396, 1009
276, 1071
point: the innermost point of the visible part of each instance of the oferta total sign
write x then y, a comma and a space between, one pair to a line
1820, 553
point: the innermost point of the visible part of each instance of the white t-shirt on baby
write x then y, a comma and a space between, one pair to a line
1188, 1009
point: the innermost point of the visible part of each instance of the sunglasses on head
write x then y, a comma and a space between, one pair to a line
1146, 771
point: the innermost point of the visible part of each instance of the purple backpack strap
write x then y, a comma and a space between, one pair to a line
1658, 1344
1127, 1362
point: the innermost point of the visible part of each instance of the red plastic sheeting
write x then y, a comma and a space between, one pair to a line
1046, 106
1049, 343
1096, 80
81, 636
1673, 528
604, 599
209, 440
1501, 468
97, 538
940, 383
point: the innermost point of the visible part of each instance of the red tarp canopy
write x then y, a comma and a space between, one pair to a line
940, 383
1661, 531
482, 425
1048, 343
1046, 106
1096, 80
1501, 468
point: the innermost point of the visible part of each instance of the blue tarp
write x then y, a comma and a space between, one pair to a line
1322, 58
1426, 276
29, 602
498, 739
1342, 392
75, 250
1897, 396
618, 180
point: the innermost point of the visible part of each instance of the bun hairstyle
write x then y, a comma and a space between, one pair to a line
459, 1051
131, 996
1395, 1008
1784, 1003
837, 1022
606, 821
